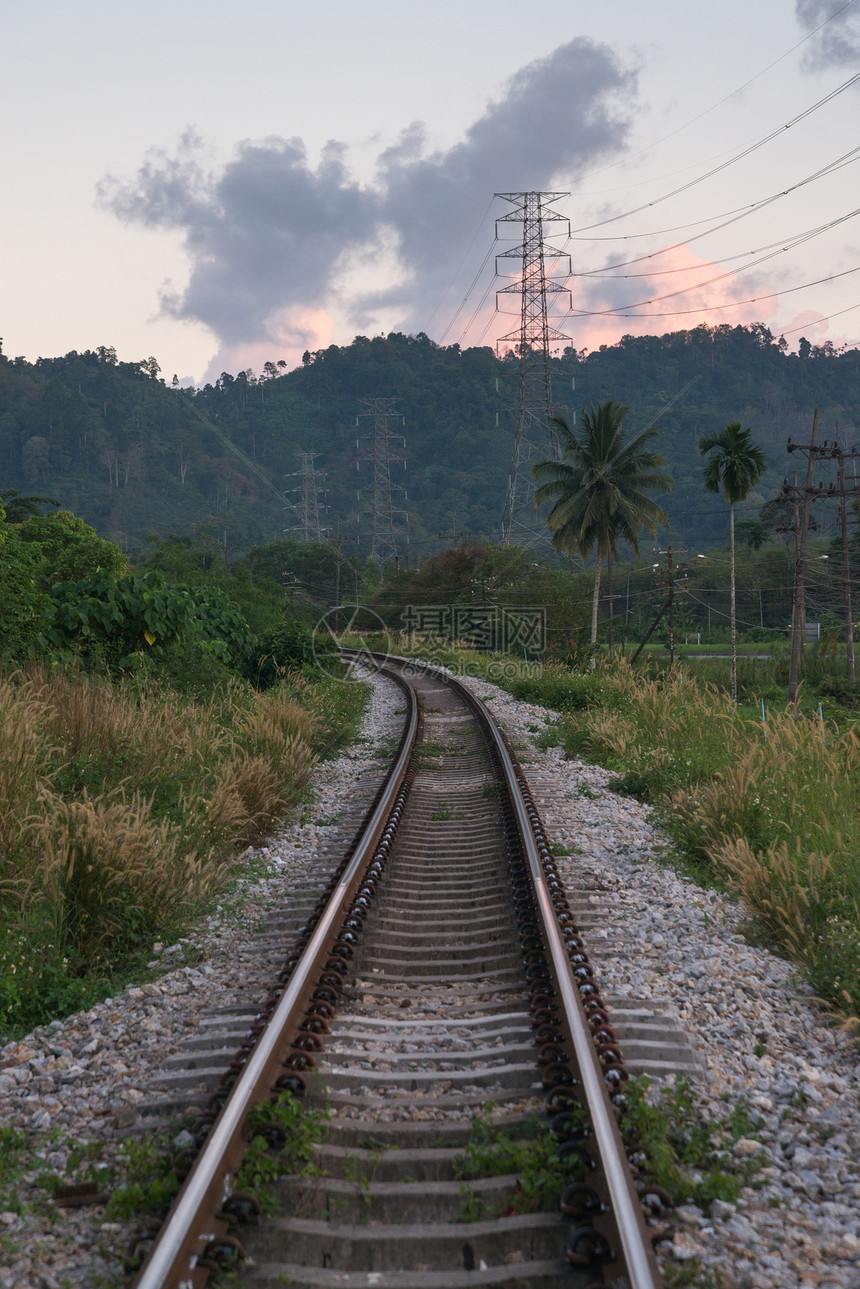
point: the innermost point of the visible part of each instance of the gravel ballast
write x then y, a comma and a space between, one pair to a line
763, 1039
81, 1079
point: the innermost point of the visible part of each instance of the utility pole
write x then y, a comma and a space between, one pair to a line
379, 453
840, 455
454, 537
339, 560
798, 617
535, 435
846, 572
668, 604
670, 552
290, 584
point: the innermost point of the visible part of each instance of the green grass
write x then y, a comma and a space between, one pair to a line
531, 1156
282, 1135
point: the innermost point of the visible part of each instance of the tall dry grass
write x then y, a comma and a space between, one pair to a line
123, 808
23, 757
108, 869
778, 820
90, 716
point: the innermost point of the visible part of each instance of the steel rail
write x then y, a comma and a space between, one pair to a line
625, 1208
189, 1226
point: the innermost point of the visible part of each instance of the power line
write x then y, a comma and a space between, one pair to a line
458, 269
775, 248
631, 156
710, 308
735, 213
469, 291
807, 326
739, 156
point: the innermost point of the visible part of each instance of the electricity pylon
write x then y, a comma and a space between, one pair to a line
535, 437
378, 452
308, 508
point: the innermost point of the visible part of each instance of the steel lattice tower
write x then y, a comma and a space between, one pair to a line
309, 510
535, 437
380, 454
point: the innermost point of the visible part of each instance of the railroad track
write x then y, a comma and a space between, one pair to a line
438, 1018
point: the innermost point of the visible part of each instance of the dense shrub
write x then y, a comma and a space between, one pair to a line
290, 645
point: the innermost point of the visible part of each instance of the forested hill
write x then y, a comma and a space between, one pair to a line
115, 444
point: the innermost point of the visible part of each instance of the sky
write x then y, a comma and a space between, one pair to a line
221, 187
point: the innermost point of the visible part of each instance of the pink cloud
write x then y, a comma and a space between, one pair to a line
699, 291
291, 331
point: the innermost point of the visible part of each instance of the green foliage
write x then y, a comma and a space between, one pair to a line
115, 620
120, 621
264, 1163
682, 1151
734, 464
148, 1181
562, 688
70, 549
18, 508
24, 607
37, 978
291, 644
599, 489
532, 1156
132, 455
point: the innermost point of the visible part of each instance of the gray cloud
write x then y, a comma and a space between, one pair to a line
837, 44
264, 233
268, 232
558, 115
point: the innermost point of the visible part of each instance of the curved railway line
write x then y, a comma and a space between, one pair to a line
440, 978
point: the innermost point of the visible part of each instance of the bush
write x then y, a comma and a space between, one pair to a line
289, 646
124, 623
24, 608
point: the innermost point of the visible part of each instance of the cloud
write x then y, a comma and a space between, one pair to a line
682, 271
272, 238
838, 43
559, 114
264, 233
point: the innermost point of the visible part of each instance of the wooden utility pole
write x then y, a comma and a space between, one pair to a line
339, 561
801, 527
668, 605
840, 456
798, 617
846, 573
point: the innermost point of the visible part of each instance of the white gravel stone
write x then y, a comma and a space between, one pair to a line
78, 1080
766, 1042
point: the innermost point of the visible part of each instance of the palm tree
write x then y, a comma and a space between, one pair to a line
599, 488
734, 466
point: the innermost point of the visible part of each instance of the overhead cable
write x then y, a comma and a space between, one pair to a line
739, 156
710, 308
631, 156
